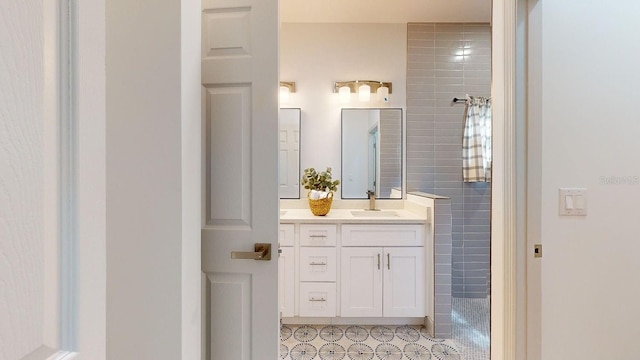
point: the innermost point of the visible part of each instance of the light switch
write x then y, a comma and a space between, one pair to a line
578, 201
573, 201
568, 200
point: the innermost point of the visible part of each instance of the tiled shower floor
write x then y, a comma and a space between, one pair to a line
470, 319
331, 342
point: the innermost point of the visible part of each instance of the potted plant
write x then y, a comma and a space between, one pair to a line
321, 187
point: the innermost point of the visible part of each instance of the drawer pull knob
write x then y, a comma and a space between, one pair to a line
317, 264
317, 236
320, 299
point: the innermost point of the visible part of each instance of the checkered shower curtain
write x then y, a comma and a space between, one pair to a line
476, 143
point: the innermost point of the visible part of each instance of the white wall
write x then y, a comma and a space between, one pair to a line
317, 55
590, 126
153, 122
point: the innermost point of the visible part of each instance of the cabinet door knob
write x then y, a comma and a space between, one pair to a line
378, 261
388, 261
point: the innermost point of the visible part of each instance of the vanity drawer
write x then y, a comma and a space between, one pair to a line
286, 235
383, 235
318, 264
318, 235
318, 299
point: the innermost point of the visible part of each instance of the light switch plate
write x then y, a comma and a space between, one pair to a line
573, 201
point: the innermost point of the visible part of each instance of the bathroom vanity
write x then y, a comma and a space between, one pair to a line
357, 266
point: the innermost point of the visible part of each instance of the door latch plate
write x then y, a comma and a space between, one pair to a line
537, 250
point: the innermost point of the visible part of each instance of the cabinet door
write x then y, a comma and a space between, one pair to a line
404, 282
286, 285
361, 282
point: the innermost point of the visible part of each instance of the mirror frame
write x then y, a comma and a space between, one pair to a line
402, 152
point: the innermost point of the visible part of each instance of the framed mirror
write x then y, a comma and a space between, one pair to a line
289, 153
372, 153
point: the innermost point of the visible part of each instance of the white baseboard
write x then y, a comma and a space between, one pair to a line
354, 321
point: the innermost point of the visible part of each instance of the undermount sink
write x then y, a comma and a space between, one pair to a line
374, 213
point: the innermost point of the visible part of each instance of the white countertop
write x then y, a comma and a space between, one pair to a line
385, 216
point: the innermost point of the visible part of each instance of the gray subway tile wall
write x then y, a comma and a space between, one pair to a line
390, 152
442, 268
446, 61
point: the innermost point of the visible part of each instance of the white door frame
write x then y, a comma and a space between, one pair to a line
506, 273
508, 306
74, 97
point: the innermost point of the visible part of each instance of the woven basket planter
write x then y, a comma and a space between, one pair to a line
320, 207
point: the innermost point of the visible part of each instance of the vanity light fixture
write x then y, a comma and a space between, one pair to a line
286, 88
364, 89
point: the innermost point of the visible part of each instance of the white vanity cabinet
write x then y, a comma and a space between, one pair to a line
286, 270
334, 270
317, 269
386, 280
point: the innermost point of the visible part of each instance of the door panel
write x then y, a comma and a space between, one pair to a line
240, 197
228, 143
230, 302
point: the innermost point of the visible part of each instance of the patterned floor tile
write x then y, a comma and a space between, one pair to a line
356, 342
470, 339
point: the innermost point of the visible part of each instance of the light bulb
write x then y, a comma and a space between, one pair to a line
344, 94
383, 94
364, 93
284, 94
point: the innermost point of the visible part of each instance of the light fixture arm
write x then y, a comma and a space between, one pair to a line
289, 85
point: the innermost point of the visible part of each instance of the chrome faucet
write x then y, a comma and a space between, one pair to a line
372, 200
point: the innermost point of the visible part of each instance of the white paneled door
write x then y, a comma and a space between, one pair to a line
240, 177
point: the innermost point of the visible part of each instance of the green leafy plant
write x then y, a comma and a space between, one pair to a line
320, 181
